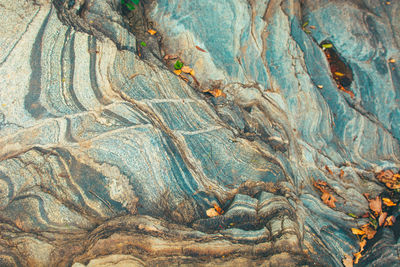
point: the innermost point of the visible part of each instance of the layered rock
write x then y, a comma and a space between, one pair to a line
108, 157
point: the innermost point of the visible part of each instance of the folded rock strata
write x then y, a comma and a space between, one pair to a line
109, 158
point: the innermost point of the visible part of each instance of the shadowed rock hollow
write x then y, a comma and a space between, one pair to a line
109, 158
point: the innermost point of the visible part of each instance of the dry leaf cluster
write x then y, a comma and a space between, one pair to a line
377, 217
390, 179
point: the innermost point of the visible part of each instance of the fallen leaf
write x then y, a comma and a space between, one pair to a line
356, 231
177, 72
387, 174
320, 183
327, 46
382, 218
392, 60
376, 205
339, 74
352, 215
388, 202
368, 231
191, 72
341, 174
357, 257
329, 170
362, 244
390, 179
313, 27
328, 199
200, 49
218, 209
346, 91
305, 24
152, 32
347, 261
390, 221
143, 44
186, 69
320, 86
212, 212
215, 92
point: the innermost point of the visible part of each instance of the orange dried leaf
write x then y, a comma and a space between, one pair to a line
382, 218
186, 69
200, 49
356, 231
390, 221
177, 72
385, 175
392, 60
362, 244
313, 27
376, 205
217, 92
191, 72
388, 202
328, 199
346, 91
212, 212
339, 74
152, 32
341, 174
320, 183
347, 261
370, 232
357, 257
218, 209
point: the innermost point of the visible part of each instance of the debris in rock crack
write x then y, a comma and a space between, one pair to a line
341, 73
379, 215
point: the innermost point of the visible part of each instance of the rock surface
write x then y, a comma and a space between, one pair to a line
110, 159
